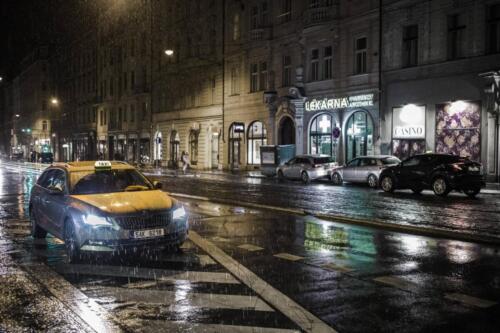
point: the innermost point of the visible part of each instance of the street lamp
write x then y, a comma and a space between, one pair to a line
18, 115
54, 101
169, 52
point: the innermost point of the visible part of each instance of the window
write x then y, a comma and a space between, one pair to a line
235, 81
144, 110
236, 27
315, 65
413, 161
125, 83
286, 11
287, 71
410, 46
493, 30
132, 113
125, 113
101, 118
111, 87
193, 146
360, 55
264, 14
327, 63
254, 74
456, 36
263, 76
257, 137
353, 163
132, 79
321, 139
44, 125
254, 18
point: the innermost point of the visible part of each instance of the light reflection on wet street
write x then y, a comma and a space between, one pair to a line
351, 277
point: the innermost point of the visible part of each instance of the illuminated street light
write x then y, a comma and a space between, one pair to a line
169, 52
54, 101
17, 115
1, 79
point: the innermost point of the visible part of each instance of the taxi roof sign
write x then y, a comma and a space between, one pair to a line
102, 165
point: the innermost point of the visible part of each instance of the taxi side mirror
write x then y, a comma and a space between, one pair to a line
157, 185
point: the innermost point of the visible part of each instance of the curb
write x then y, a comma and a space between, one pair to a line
408, 229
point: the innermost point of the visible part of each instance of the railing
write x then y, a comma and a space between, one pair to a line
320, 15
260, 34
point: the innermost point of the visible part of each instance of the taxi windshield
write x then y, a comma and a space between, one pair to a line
109, 181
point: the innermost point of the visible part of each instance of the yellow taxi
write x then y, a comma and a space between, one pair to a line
104, 206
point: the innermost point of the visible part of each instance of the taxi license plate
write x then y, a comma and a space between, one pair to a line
148, 233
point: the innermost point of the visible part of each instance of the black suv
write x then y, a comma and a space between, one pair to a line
441, 173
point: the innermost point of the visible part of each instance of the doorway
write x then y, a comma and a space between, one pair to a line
286, 132
215, 151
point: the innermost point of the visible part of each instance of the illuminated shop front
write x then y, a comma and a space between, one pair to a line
446, 128
341, 127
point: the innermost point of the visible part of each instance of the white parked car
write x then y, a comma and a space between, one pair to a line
365, 169
306, 168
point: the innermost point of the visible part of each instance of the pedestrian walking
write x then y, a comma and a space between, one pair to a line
185, 161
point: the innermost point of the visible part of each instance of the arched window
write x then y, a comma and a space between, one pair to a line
359, 135
193, 146
321, 140
257, 136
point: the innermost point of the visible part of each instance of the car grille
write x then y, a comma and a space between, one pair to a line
143, 222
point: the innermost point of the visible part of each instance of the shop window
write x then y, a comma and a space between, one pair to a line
174, 148
193, 146
403, 148
257, 137
236, 131
359, 135
410, 46
456, 36
360, 48
458, 129
321, 139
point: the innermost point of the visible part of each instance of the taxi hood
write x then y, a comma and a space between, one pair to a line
128, 202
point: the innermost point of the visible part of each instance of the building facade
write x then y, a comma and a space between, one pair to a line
439, 58
188, 83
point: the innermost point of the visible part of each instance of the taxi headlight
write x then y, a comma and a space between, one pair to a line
179, 213
95, 220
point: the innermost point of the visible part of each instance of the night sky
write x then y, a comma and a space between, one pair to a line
26, 25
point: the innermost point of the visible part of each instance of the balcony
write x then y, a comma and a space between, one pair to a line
320, 15
260, 34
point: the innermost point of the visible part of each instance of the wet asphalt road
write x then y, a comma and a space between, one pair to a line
355, 279
456, 212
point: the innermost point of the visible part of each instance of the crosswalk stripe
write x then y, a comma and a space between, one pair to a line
396, 282
288, 256
470, 300
250, 247
147, 273
335, 267
181, 326
179, 299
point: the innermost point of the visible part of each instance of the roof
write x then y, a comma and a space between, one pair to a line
90, 165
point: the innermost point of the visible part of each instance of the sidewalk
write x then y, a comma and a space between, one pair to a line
26, 306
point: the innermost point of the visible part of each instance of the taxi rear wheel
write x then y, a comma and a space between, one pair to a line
36, 230
70, 242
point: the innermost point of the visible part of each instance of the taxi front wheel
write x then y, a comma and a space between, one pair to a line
70, 242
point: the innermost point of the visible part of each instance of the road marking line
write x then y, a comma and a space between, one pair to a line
220, 239
396, 282
147, 273
179, 299
250, 247
288, 256
188, 196
470, 300
94, 315
334, 267
303, 318
182, 326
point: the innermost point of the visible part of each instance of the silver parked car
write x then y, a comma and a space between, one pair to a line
364, 169
306, 168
